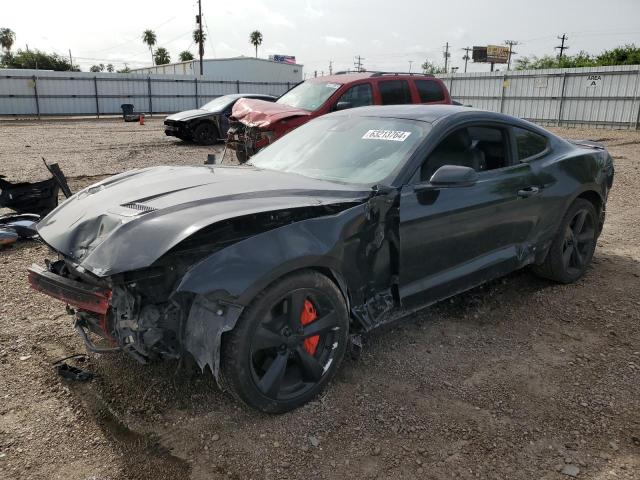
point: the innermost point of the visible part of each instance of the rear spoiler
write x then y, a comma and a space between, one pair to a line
588, 144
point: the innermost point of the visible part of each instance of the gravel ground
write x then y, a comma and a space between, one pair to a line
517, 379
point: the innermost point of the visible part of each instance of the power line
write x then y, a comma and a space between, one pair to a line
446, 55
201, 46
466, 57
562, 48
511, 44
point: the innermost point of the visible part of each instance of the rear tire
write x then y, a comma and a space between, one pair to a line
205, 134
241, 156
572, 248
287, 344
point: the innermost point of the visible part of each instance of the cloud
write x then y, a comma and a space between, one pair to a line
311, 12
459, 33
333, 41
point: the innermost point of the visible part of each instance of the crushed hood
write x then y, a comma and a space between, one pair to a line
258, 113
128, 221
189, 114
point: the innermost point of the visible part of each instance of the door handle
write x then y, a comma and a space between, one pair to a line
528, 192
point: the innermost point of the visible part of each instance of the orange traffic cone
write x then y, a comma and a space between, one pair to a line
142, 119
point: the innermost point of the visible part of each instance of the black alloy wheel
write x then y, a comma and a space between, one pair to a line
288, 344
205, 134
579, 239
573, 247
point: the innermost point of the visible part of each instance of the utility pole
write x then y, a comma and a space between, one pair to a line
70, 60
466, 57
562, 48
510, 43
358, 63
201, 46
330, 67
410, 62
446, 55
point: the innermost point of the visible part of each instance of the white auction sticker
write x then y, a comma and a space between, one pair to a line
394, 135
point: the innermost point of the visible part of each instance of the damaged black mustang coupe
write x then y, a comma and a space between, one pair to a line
263, 273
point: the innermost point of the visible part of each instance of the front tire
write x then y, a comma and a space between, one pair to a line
572, 249
205, 134
287, 344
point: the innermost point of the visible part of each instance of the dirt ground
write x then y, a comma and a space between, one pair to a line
518, 379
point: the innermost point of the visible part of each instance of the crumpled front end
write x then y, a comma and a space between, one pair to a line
256, 124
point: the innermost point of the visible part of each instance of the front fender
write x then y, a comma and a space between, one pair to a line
237, 273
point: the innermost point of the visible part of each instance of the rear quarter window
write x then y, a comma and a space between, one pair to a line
430, 91
394, 92
529, 143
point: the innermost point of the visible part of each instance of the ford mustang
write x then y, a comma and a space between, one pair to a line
265, 274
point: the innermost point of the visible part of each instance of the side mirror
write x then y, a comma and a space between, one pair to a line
450, 176
343, 105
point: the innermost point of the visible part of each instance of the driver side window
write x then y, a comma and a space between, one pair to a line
358, 95
478, 147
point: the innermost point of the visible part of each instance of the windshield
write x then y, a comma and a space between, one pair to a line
359, 150
308, 95
218, 104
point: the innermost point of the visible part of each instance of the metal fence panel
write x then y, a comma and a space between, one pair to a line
29, 93
600, 96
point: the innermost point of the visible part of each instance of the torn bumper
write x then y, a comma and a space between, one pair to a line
81, 295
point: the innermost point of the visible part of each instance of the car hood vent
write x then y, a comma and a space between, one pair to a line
140, 207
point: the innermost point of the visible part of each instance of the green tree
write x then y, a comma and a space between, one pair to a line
162, 56
149, 38
7, 39
624, 55
429, 67
185, 56
97, 68
126, 69
255, 39
36, 59
110, 68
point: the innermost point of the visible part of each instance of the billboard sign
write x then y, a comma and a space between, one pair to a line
479, 54
288, 59
497, 54
491, 54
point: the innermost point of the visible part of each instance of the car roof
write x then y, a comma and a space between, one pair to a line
423, 113
244, 95
436, 113
355, 76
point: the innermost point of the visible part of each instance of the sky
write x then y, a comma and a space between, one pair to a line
389, 35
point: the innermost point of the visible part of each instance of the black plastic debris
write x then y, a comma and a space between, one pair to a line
38, 198
70, 372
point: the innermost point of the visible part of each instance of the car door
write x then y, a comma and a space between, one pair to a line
453, 238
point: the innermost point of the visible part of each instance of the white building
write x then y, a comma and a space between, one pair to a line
245, 69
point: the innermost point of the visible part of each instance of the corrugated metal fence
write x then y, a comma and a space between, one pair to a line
602, 97
27, 93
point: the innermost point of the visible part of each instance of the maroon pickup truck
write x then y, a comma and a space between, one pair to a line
256, 124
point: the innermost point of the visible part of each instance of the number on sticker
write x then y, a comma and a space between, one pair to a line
393, 135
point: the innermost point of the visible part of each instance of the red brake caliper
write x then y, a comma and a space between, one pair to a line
307, 316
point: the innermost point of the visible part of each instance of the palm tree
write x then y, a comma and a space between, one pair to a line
7, 38
162, 56
185, 56
149, 37
196, 36
255, 39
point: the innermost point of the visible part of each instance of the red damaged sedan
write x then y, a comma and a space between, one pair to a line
256, 123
